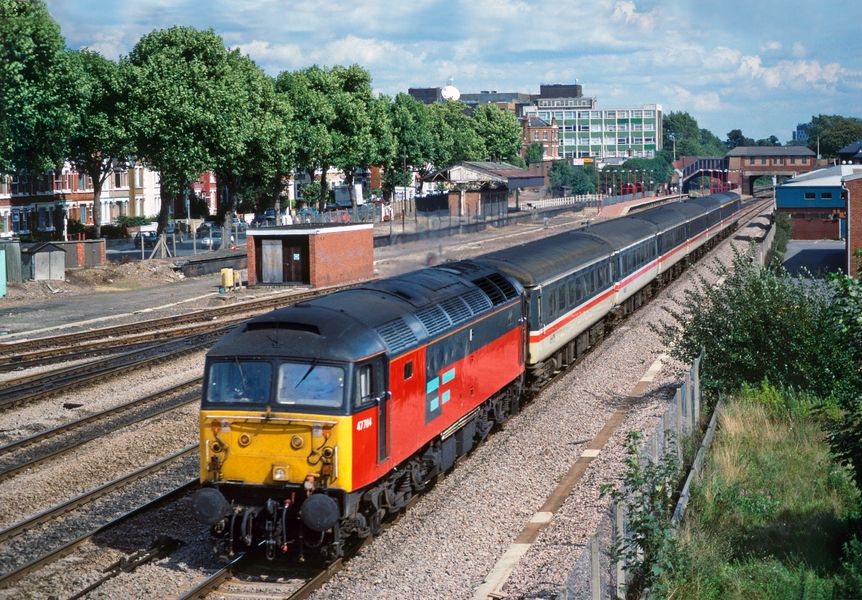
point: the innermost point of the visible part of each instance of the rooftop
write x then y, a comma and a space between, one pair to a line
828, 177
770, 151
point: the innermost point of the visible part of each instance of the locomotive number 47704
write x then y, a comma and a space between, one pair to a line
364, 424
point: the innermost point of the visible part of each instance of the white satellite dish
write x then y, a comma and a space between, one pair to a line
450, 92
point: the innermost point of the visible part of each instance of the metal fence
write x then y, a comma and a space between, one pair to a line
598, 574
543, 203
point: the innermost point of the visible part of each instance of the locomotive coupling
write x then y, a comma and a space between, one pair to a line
210, 505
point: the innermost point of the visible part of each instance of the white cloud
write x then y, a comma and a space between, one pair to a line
800, 74
770, 46
799, 50
683, 99
627, 12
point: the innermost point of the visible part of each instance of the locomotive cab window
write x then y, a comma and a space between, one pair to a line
368, 383
310, 384
236, 381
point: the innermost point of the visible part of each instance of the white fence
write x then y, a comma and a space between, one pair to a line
584, 200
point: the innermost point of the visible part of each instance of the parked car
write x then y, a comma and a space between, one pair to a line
147, 238
214, 240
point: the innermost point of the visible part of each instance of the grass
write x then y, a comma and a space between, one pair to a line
772, 509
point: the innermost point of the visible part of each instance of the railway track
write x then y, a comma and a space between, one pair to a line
66, 548
37, 358
155, 328
32, 387
50, 453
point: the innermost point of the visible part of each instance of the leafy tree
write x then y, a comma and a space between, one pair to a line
252, 147
658, 169
691, 139
413, 141
535, 153
100, 143
310, 92
173, 104
499, 130
578, 180
735, 138
770, 141
38, 97
833, 132
454, 135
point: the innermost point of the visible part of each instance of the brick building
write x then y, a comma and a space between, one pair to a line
750, 162
538, 130
319, 255
853, 187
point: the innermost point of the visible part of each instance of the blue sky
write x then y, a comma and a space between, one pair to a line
759, 65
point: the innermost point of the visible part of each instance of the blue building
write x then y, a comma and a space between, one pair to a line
801, 133
816, 202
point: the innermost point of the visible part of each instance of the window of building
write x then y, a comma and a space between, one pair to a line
637, 114
544, 116
804, 160
826, 195
535, 135
584, 114
545, 136
622, 140
596, 114
611, 114
557, 103
649, 126
622, 114
139, 177
810, 196
763, 161
649, 113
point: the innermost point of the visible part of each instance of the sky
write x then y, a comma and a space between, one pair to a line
758, 65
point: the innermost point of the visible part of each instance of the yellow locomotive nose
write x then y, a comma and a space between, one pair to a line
274, 449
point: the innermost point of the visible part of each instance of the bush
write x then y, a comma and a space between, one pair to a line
125, 221
763, 324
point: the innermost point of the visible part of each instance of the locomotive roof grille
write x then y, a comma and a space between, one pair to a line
397, 335
477, 301
457, 309
492, 291
504, 284
434, 319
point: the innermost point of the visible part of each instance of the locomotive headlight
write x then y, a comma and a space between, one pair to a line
280, 472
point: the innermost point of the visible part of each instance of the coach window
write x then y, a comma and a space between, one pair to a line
810, 196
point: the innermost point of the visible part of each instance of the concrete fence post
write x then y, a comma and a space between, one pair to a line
619, 538
595, 571
678, 441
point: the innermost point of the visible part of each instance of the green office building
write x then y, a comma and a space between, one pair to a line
588, 131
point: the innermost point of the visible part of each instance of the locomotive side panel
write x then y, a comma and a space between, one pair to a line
448, 378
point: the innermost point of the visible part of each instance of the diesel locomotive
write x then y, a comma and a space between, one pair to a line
321, 419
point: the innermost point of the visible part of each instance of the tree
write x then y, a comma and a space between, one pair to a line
691, 139
499, 130
100, 143
413, 141
735, 138
38, 98
564, 176
833, 133
309, 91
252, 148
454, 134
173, 104
535, 153
770, 141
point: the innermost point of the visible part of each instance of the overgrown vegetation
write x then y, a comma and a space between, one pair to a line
772, 510
775, 513
647, 493
783, 233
